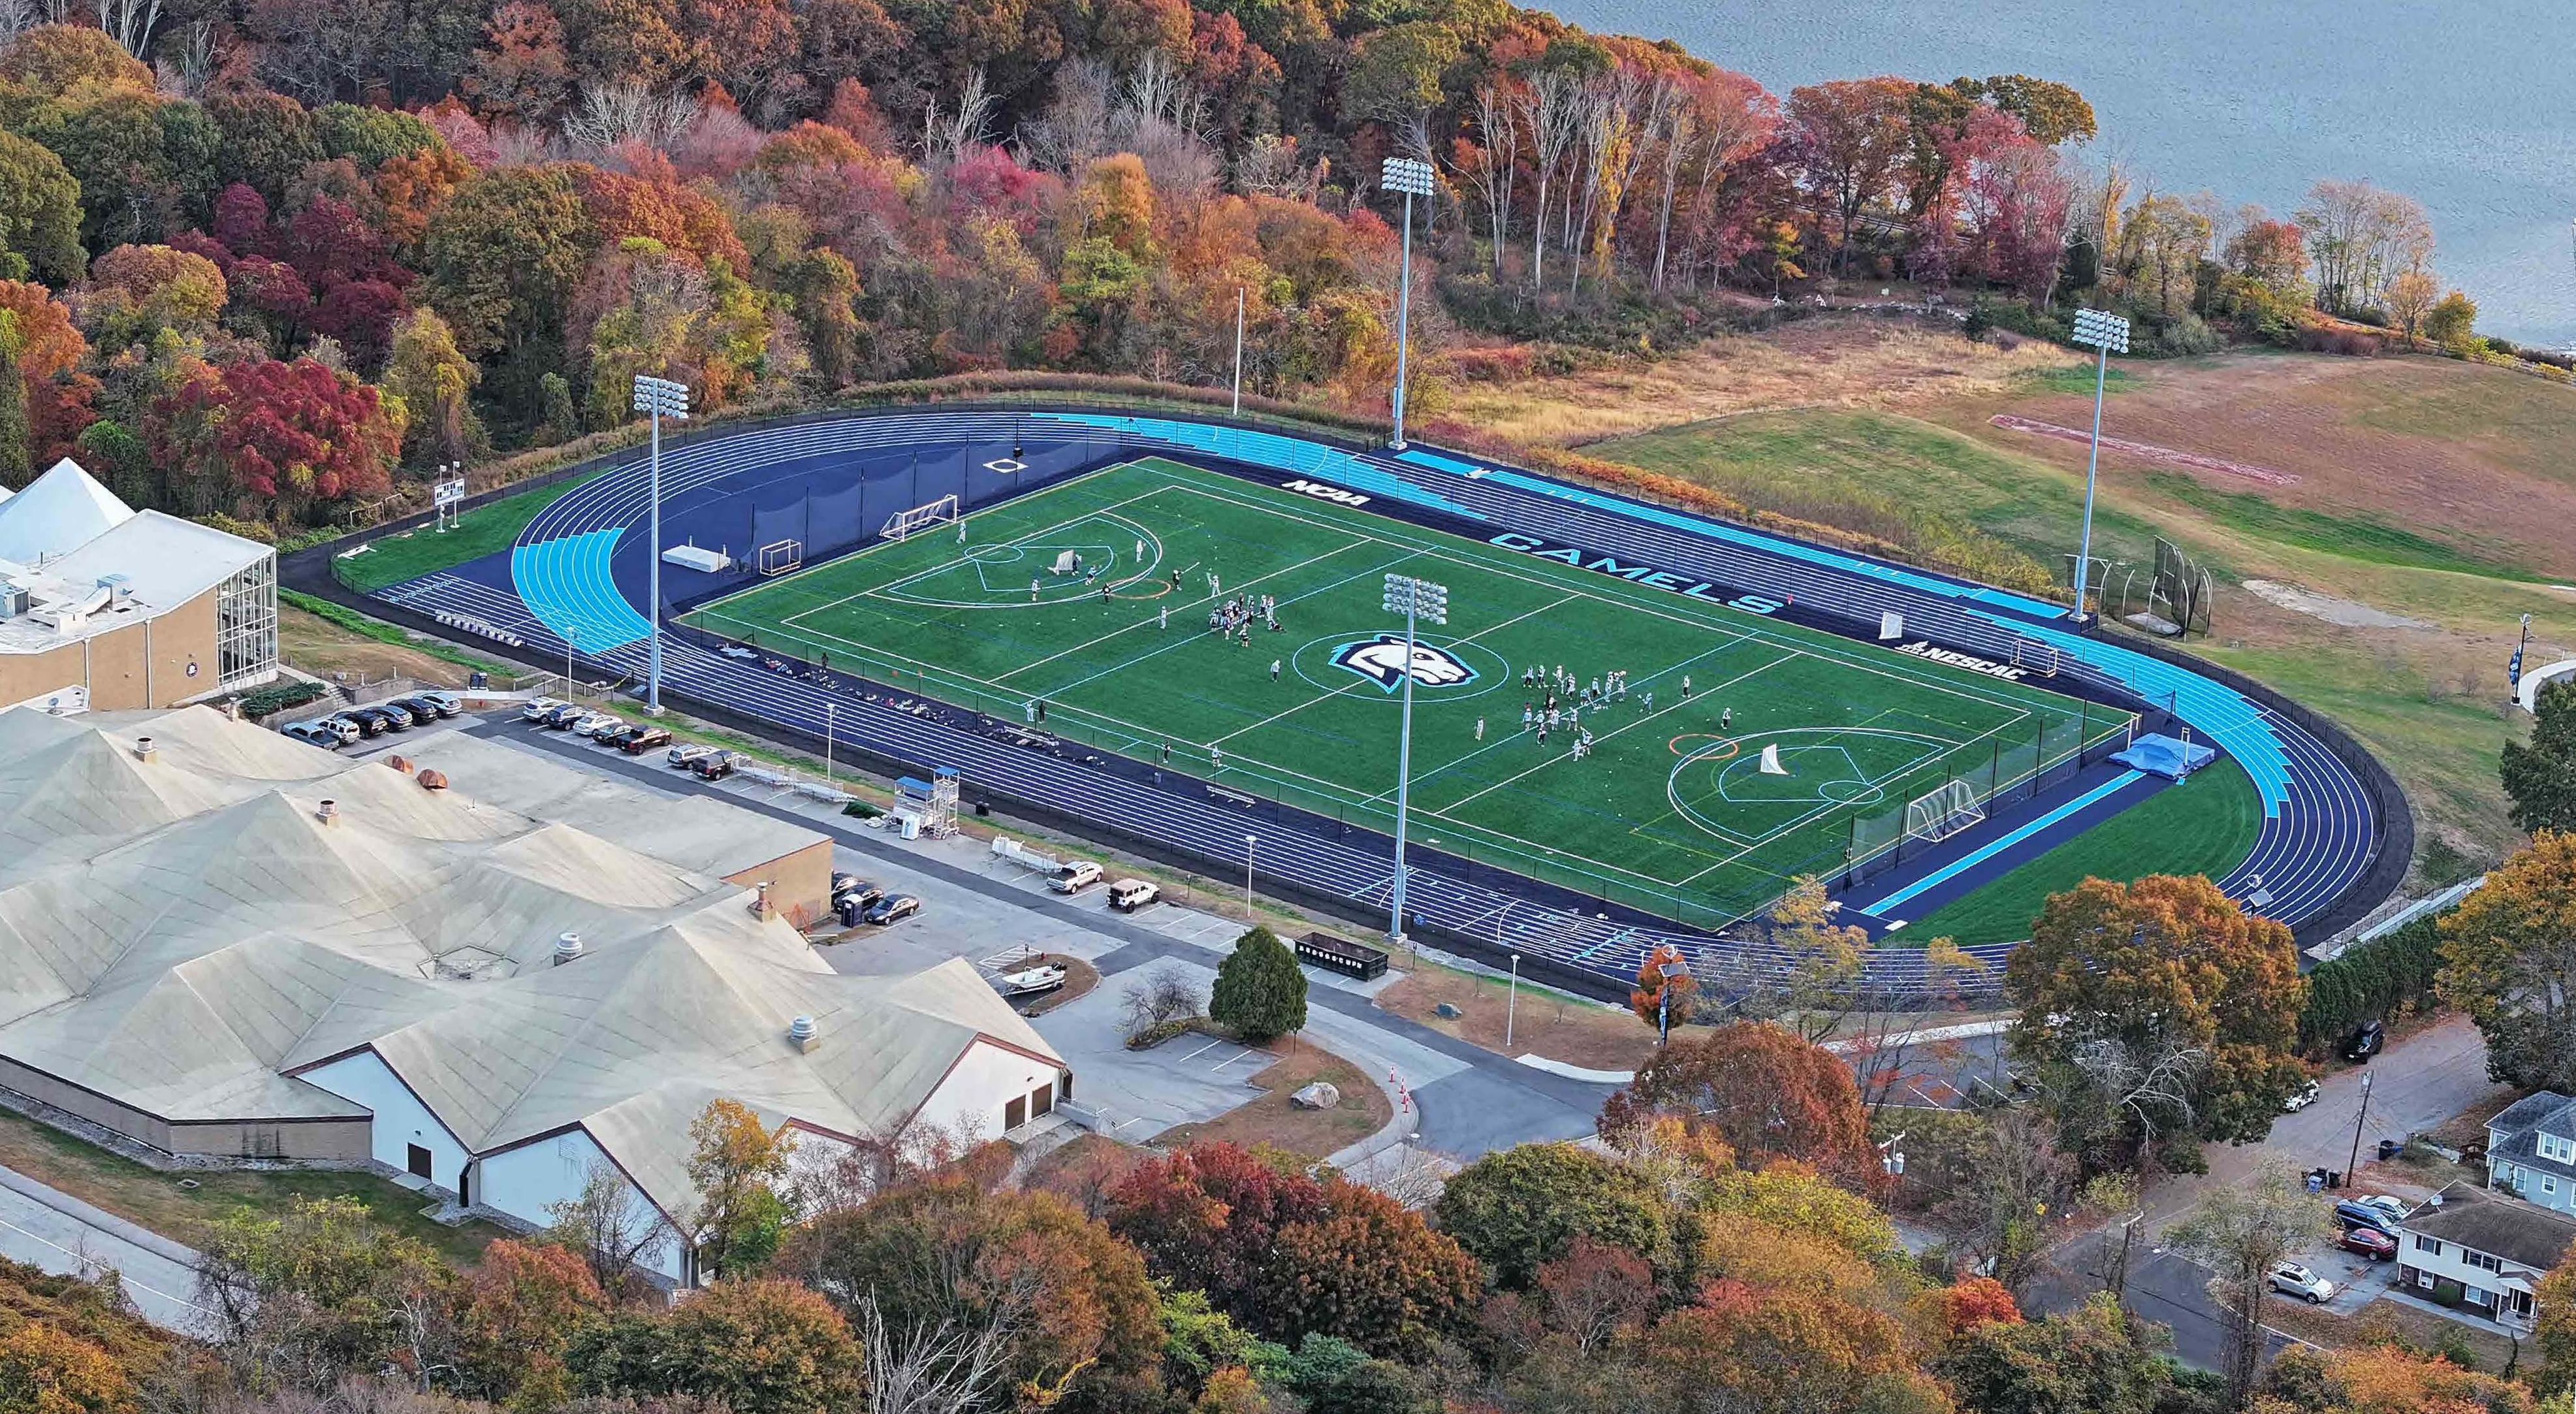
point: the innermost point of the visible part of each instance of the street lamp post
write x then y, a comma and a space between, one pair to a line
1417, 600
1411, 176
1512, 1007
1238, 351
657, 398
2107, 334
1248, 842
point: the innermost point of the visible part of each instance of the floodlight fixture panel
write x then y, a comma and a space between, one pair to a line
2102, 330
1408, 175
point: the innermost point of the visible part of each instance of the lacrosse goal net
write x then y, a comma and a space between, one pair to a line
1939, 814
905, 523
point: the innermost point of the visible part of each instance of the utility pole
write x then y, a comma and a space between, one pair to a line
2107, 333
1238, 350
1411, 176
2358, 1121
658, 398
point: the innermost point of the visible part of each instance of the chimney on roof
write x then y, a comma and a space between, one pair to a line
761, 907
567, 948
143, 751
328, 813
802, 1035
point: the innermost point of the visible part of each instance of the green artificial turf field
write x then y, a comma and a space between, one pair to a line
1092, 600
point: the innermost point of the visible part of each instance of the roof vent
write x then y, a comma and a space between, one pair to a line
802, 1035
567, 948
761, 907
143, 750
328, 812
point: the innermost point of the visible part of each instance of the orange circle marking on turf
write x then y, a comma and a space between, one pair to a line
1677, 747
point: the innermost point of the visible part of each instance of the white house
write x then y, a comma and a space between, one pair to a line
2482, 1252
2531, 1150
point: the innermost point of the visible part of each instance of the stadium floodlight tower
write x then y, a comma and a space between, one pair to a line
1417, 600
2107, 334
1411, 176
657, 398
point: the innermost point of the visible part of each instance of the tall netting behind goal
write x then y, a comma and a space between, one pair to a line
905, 523
1939, 814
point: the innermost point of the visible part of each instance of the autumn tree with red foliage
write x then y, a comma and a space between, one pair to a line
1288, 1254
48, 352
296, 436
1765, 1092
1973, 1302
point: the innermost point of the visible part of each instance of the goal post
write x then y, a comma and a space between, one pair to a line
780, 557
905, 523
1938, 814
2034, 656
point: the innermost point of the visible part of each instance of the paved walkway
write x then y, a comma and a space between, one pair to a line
45, 1227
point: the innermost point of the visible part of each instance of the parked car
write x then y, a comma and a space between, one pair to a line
447, 703
635, 741
314, 734
1073, 878
2369, 1242
715, 765
341, 730
2352, 1214
2291, 1279
563, 716
596, 724
539, 708
2367, 1040
2300, 1098
858, 898
422, 710
687, 754
892, 908
376, 721
400, 716
367, 725
1128, 895
2396, 1208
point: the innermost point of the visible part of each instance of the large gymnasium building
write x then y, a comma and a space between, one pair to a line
108, 608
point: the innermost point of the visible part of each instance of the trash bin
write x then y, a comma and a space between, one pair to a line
2316, 1180
2388, 1149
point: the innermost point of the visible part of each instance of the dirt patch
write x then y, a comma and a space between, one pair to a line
2344, 612
2473, 456
1542, 1023
1845, 361
332, 653
2145, 452
1083, 1170
1272, 1120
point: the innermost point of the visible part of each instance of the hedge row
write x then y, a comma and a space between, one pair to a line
2371, 981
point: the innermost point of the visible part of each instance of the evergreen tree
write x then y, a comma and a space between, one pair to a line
2541, 778
1260, 990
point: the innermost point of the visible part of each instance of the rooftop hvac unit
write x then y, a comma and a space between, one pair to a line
568, 949
801, 1034
13, 600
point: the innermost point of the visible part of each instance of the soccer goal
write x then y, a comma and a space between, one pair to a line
1939, 814
780, 557
2038, 657
904, 523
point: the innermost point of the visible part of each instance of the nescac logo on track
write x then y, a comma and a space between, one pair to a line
1322, 492
1970, 661
1637, 572
1381, 661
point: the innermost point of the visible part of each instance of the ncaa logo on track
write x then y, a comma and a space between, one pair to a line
1381, 661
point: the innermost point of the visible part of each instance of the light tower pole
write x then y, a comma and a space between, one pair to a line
1418, 600
657, 398
2107, 334
1411, 176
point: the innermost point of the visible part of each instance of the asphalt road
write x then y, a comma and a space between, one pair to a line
2416, 1084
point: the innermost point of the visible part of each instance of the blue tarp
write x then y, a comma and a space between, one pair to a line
2165, 756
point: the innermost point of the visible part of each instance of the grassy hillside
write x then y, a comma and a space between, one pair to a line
2419, 504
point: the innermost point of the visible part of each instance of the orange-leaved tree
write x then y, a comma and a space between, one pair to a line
1664, 987
1765, 1092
